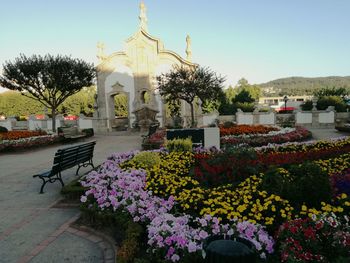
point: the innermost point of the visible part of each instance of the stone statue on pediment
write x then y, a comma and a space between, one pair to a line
143, 17
188, 48
101, 51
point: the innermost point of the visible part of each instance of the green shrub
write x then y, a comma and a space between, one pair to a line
146, 160
3, 129
179, 145
307, 105
245, 106
304, 183
130, 246
73, 190
228, 124
88, 132
337, 102
226, 108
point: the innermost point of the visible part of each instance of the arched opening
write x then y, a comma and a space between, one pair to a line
145, 97
121, 105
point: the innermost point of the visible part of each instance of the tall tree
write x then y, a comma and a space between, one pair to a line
254, 90
49, 79
186, 84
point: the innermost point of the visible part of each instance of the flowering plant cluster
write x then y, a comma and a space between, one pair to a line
155, 141
15, 135
180, 212
326, 239
247, 129
176, 236
274, 137
113, 187
340, 142
341, 182
28, 142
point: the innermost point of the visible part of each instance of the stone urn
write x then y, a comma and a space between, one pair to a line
145, 117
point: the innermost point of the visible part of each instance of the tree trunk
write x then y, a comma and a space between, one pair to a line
53, 117
192, 116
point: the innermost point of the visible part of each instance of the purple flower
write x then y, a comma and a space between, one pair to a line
192, 247
175, 258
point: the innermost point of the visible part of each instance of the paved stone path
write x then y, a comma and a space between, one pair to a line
31, 228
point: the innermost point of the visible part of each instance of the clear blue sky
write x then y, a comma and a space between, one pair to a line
259, 40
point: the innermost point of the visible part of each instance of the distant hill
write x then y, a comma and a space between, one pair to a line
302, 86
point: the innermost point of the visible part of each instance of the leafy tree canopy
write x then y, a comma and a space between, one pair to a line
253, 90
47, 79
185, 83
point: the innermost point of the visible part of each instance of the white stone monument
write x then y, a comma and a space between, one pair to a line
133, 72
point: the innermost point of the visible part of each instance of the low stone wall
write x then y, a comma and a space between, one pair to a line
253, 118
209, 119
316, 119
225, 118
8, 123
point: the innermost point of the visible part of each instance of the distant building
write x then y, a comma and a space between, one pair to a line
270, 90
278, 102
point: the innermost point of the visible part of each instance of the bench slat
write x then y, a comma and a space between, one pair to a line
77, 155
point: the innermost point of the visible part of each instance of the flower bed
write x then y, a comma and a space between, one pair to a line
339, 142
174, 237
301, 240
155, 141
15, 135
273, 137
253, 135
247, 130
180, 211
8, 145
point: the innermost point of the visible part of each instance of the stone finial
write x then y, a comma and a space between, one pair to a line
188, 48
143, 17
101, 51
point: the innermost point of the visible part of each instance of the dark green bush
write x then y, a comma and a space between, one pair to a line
304, 183
245, 106
227, 108
88, 132
228, 124
307, 105
337, 102
73, 191
3, 129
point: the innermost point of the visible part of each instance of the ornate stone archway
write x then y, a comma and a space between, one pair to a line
134, 71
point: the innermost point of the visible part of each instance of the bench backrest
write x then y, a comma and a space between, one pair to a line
71, 156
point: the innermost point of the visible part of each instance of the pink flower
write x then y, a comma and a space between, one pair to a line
175, 258
83, 199
192, 247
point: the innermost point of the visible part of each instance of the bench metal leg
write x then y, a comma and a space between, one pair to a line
85, 165
51, 180
43, 185
59, 178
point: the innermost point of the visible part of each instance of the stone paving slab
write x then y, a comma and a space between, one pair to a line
27, 225
21, 240
320, 134
71, 249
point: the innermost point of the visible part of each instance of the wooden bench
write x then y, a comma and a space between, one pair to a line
70, 133
79, 155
